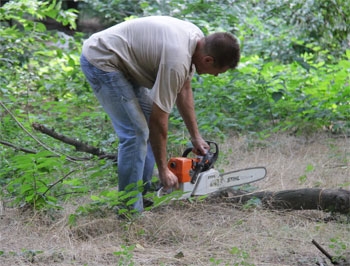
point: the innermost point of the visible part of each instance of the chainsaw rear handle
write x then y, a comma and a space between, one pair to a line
206, 161
210, 143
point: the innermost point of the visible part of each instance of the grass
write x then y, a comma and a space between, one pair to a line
201, 233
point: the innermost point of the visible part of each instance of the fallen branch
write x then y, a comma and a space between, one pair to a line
79, 146
332, 200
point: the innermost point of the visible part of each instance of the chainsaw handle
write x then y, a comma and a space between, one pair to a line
206, 162
199, 167
210, 143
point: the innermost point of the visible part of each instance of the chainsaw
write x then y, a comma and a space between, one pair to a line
197, 176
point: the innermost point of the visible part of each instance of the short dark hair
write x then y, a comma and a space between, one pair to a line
224, 48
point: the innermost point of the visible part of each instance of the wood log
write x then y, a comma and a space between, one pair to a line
330, 200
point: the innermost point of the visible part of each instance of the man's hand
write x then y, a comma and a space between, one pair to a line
200, 146
169, 180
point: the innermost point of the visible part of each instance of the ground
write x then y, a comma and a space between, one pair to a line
202, 233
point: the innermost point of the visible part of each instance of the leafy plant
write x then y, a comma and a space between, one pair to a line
242, 255
339, 247
125, 255
241, 258
33, 180
309, 169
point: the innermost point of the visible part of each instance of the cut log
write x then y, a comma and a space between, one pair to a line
330, 200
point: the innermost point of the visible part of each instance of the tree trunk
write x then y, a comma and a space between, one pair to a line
332, 200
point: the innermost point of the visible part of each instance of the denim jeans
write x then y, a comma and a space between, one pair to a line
129, 107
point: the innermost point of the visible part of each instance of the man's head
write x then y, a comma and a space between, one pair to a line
216, 53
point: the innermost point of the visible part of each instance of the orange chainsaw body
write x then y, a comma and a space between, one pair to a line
182, 168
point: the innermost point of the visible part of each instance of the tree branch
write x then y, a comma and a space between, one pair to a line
16, 147
79, 146
323, 250
58, 181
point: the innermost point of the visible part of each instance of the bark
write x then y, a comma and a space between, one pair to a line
330, 200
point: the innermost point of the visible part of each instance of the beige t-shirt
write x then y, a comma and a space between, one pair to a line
155, 51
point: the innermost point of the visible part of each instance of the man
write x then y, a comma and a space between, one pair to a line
139, 70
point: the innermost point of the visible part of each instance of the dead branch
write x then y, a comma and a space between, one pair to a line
79, 146
330, 257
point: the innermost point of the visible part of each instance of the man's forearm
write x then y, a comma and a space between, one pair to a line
185, 105
158, 126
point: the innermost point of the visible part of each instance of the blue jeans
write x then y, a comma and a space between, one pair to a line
129, 107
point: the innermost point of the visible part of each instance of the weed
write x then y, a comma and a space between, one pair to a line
125, 255
303, 178
338, 247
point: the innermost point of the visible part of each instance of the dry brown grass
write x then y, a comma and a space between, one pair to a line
201, 233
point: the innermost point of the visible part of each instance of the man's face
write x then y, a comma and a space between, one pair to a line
205, 65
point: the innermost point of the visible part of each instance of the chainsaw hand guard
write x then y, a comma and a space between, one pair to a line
203, 163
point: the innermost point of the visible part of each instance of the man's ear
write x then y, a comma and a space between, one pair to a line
208, 59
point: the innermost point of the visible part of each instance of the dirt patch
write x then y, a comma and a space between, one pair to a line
201, 233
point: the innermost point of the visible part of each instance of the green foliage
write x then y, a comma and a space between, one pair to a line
273, 29
39, 75
110, 12
28, 255
270, 29
339, 248
253, 203
111, 199
259, 95
240, 258
125, 255
210, 16
33, 180
121, 202
242, 255
309, 169
39, 67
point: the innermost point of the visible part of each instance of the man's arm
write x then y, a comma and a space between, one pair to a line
158, 125
185, 105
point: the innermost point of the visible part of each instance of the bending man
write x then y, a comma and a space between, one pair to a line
140, 69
